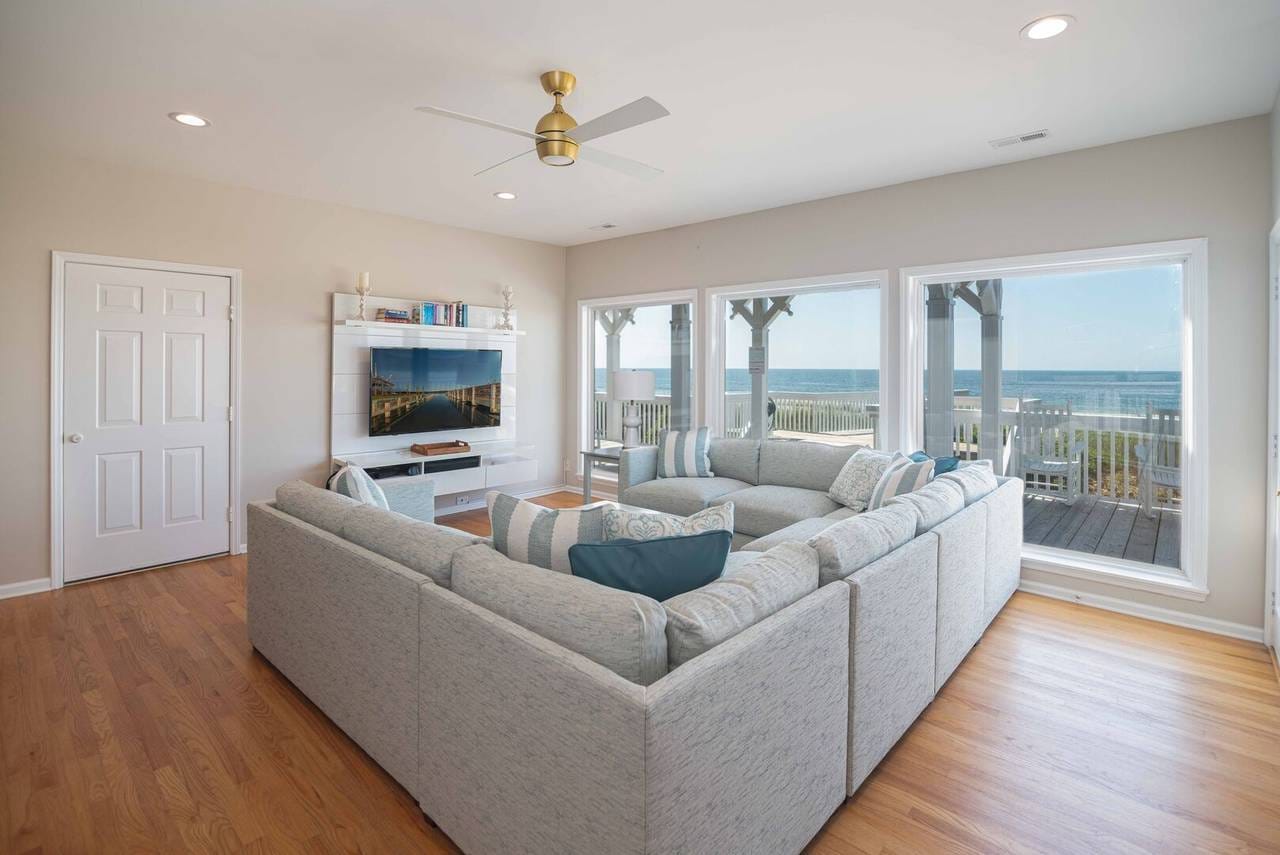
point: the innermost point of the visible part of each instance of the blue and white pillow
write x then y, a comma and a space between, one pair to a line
903, 475
648, 525
354, 482
683, 453
532, 534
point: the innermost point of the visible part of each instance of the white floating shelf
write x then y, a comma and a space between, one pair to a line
428, 329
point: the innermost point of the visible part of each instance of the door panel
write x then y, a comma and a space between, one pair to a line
145, 453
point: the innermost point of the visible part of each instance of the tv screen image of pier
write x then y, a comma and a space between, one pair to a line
420, 389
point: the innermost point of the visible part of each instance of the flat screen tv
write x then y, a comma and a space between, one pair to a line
424, 389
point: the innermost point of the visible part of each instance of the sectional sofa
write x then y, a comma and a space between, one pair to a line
531, 711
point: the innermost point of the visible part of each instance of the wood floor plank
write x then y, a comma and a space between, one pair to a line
135, 717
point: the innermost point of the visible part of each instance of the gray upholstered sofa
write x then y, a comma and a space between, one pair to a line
416, 641
924, 580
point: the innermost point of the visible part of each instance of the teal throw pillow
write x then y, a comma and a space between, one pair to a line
661, 568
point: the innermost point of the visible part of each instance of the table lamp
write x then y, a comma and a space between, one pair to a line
630, 385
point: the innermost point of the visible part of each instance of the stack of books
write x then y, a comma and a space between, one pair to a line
393, 316
441, 314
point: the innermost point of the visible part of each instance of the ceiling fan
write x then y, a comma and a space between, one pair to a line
558, 138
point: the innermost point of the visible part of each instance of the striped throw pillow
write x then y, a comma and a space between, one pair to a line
532, 534
683, 453
354, 482
903, 475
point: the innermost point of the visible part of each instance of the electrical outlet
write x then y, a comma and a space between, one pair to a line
460, 500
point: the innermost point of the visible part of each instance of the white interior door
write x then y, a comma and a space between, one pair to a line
146, 410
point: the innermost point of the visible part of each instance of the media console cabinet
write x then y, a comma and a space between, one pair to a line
487, 466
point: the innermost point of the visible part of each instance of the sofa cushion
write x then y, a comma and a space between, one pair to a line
841, 513
903, 475
624, 632
354, 482
682, 496
811, 465
322, 508
748, 593
765, 509
858, 477
736, 458
974, 481
851, 544
683, 453
933, 503
424, 547
661, 567
542, 536
641, 524
798, 532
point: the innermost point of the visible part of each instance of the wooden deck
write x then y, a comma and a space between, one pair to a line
1103, 527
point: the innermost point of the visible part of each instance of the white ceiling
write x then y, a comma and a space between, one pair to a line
770, 103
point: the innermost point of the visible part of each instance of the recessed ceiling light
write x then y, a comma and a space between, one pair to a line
505, 195
191, 120
1047, 27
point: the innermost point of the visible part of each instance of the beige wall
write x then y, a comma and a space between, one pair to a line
1275, 160
293, 253
1203, 182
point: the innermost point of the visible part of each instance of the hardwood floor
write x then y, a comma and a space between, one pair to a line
135, 717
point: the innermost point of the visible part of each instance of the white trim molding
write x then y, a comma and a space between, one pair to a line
1270, 607
1141, 610
22, 589
1193, 255
716, 298
585, 393
57, 310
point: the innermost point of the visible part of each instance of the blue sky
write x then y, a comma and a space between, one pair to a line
1101, 320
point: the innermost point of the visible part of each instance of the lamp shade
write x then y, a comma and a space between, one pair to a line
632, 385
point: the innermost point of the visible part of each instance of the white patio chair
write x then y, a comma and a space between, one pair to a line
1159, 453
1050, 457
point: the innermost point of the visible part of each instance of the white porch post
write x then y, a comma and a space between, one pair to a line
760, 314
681, 366
939, 411
613, 321
990, 294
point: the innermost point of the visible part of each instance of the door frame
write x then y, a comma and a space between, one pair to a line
57, 311
1270, 621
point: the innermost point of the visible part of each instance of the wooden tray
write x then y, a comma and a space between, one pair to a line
430, 448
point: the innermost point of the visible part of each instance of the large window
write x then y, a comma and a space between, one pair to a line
799, 360
636, 335
1074, 373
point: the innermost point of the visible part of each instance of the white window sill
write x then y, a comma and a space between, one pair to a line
1112, 571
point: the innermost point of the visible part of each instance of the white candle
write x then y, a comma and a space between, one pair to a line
362, 284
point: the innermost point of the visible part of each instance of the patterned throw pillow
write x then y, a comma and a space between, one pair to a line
902, 476
648, 525
683, 453
355, 483
858, 478
530, 533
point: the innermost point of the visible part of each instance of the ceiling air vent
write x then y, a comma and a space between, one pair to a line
603, 227
1030, 136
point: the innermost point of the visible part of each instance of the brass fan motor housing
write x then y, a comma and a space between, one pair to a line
556, 148
558, 82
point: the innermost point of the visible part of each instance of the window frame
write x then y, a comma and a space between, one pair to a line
587, 331
1192, 580
714, 366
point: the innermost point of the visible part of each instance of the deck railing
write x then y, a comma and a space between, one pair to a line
1110, 464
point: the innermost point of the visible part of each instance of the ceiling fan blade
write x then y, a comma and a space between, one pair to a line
636, 113
508, 160
484, 123
618, 163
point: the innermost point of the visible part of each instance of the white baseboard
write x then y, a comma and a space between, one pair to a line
21, 589
1156, 613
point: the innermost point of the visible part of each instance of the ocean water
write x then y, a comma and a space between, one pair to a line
1086, 391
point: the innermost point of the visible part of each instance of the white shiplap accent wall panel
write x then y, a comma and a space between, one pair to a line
349, 408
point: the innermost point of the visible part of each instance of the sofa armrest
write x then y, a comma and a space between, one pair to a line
341, 623
415, 499
745, 744
635, 466
524, 747
893, 620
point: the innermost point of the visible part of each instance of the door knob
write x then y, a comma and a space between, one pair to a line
76, 437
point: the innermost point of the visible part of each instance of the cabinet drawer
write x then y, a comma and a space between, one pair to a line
515, 470
458, 481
